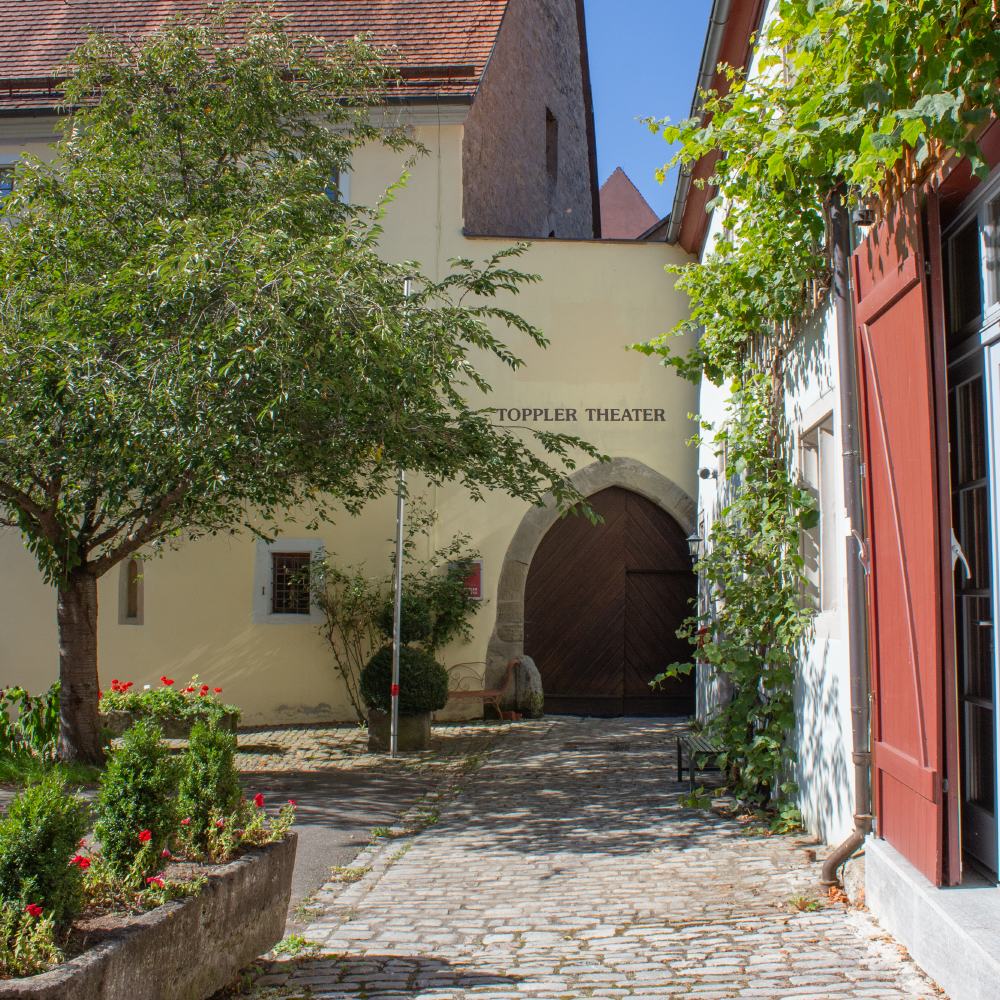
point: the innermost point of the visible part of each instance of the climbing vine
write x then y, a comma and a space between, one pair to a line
862, 99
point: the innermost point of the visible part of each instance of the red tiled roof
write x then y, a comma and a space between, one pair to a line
443, 45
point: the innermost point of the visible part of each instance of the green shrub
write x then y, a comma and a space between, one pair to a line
415, 622
137, 794
38, 836
27, 943
29, 726
209, 780
423, 682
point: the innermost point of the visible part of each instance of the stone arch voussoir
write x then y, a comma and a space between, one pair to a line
507, 641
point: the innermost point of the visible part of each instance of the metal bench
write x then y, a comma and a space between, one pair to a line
695, 745
489, 696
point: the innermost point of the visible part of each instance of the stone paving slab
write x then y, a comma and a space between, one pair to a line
564, 867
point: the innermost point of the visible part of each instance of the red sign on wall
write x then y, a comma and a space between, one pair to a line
474, 581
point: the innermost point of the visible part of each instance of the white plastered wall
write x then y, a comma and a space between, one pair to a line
595, 297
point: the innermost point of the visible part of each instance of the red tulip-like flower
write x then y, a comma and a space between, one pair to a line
220, 823
83, 840
187, 690
258, 801
80, 859
292, 803
166, 680
165, 854
156, 880
204, 687
34, 909
217, 690
184, 822
145, 836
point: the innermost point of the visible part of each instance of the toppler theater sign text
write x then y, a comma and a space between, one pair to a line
632, 415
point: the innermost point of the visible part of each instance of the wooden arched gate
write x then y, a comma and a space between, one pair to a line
602, 605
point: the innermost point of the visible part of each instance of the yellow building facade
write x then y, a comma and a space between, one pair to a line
595, 297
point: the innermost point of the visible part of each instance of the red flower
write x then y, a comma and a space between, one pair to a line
165, 854
217, 690
145, 836
126, 685
220, 823
184, 822
187, 690
156, 880
83, 840
292, 803
258, 801
81, 860
239, 833
166, 680
204, 687
34, 909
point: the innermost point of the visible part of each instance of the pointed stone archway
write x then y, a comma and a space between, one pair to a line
507, 641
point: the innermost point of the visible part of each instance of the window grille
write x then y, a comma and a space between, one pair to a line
290, 583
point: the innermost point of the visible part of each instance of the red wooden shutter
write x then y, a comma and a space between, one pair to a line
899, 418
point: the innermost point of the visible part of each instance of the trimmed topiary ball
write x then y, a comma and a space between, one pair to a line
415, 619
423, 682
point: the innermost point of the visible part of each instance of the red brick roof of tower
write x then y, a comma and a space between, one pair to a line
443, 45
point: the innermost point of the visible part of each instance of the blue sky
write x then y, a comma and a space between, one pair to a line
644, 57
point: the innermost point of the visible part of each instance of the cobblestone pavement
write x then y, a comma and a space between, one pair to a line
345, 745
565, 867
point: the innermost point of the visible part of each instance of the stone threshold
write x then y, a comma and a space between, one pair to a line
952, 933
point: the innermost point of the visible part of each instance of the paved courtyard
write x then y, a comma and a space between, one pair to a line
559, 863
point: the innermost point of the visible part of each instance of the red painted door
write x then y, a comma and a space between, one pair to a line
900, 414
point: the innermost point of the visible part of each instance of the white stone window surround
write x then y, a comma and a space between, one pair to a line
262, 580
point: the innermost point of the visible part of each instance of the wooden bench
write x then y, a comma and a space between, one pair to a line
489, 696
695, 745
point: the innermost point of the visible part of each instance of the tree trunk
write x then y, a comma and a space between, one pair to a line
79, 728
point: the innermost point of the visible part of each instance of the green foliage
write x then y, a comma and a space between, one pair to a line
29, 726
229, 833
194, 703
137, 795
357, 608
209, 781
423, 682
27, 943
38, 836
414, 618
853, 96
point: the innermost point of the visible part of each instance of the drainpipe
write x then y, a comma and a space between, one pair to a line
856, 569
706, 74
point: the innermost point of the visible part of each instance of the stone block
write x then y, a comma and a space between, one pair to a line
414, 731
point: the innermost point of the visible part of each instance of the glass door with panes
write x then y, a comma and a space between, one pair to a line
973, 384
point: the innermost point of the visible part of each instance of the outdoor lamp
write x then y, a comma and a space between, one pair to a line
694, 544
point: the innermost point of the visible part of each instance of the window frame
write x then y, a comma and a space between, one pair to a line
261, 612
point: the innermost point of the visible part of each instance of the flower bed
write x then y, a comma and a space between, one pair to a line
167, 828
174, 709
186, 948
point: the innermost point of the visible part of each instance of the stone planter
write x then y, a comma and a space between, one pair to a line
187, 949
173, 728
414, 731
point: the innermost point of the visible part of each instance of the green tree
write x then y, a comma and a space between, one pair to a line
198, 336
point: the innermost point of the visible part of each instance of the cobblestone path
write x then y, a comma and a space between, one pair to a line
565, 867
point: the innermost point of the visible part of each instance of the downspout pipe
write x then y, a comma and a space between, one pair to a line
706, 74
856, 570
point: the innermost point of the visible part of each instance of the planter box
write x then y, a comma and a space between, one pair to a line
414, 731
187, 949
173, 728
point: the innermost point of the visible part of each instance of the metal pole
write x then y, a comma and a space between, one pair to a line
397, 597
396, 610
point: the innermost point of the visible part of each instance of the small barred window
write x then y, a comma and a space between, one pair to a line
290, 583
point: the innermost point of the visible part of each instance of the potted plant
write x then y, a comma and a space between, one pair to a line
423, 682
